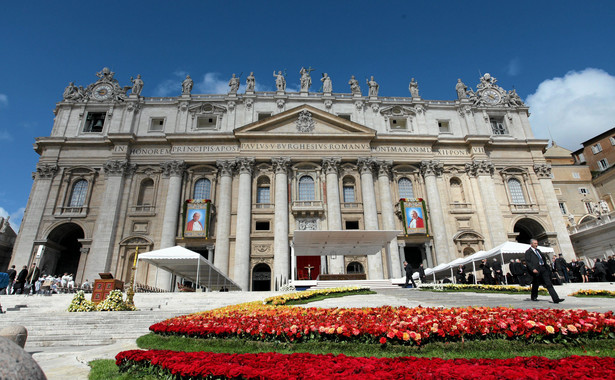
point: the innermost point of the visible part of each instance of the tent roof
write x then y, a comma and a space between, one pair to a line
344, 242
186, 263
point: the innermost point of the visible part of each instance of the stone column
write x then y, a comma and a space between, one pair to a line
543, 171
483, 170
334, 213
223, 215
244, 212
430, 169
280, 236
402, 256
388, 213
174, 170
31, 222
370, 213
105, 229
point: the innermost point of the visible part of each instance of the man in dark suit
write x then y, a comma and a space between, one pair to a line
409, 272
539, 268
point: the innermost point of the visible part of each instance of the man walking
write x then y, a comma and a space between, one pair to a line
422, 274
20, 282
540, 270
409, 272
12, 274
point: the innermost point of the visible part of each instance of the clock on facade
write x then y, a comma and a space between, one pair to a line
491, 96
102, 92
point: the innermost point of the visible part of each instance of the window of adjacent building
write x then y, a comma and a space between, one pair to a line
202, 189
562, 208
207, 122
263, 115
612, 140
262, 225
583, 190
603, 164
156, 125
558, 191
146, 193
576, 175
497, 126
306, 188
344, 116
443, 126
588, 207
516, 191
77, 196
263, 193
397, 123
352, 224
405, 188
596, 148
94, 122
581, 157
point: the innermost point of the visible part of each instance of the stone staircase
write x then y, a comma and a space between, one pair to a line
371, 284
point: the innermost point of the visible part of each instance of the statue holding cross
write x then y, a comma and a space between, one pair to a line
306, 79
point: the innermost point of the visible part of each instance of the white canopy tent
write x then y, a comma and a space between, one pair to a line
190, 265
509, 250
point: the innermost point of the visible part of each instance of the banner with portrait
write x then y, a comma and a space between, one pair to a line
197, 218
414, 216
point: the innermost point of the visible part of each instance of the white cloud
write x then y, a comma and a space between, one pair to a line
4, 135
4, 100
171, 87
574, 108
16, 217
514, 67
213, 84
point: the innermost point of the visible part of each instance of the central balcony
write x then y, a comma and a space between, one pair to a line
307, 208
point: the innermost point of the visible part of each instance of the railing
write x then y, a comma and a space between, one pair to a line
599, 221
144, 208
351, 205
523, 208
307, 207
457, 205
74, 210
263, 205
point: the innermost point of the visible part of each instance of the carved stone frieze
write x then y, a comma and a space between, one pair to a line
280, 164
173, 168
431, 167
365, 164
207, 109
249, 103
117, 167
375, 107
359, 105
183, 106
328, 103
245, 165
231, 105
254, 261
280, 103
261, 249
46, 171
384, 168
305, 123
226, 167
397, 111
479, 168
331, 164
420, 109
133, 107
543, 170
307, 224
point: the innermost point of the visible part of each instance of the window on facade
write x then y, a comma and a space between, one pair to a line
156, 125
207, 122
612, 140
603, 164
262, 225
77, 196
352, 224
596, 148
348, 190
588, 207
306, 188
263, 115
405, 188
202, 189
497, 126
146, 193
562, 208
397, 123
581, 157
263, 193
94, 122
354, 267
443, 126
516, 191
583, 190
344, 116
576, 175
558, 191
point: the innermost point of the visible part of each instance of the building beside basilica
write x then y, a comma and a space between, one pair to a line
234, 176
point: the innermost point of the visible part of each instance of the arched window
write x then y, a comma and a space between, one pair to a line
146, 193
516, 191
306, 188
77, 196
263, 192
405, 188
354, 267
457, 195
349, 193
202, 189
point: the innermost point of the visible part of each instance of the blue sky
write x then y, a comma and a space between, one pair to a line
559, 57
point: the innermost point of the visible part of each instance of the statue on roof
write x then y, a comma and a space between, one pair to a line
414, 88
72, 92
306, 79
280, 81
373, 86
137, 85
461, 89
354, 86
233, 84
187, 85
250, 82
327, 86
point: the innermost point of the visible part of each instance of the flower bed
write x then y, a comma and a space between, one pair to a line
593, 293
388, 324
481, 288
305, 295
190, 365
113, 302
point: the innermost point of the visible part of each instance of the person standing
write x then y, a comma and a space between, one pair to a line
600, 270
32, 278
561, 266
12, 274
497, 272
422, 274
487, 279
20, 282
538, 265
409, 272
461, 274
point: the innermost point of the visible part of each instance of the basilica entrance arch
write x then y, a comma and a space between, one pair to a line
261, 278
62, 250
528, 229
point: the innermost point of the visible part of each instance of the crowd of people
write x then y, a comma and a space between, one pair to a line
32, 281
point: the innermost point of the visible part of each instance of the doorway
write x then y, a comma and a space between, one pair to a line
261, 278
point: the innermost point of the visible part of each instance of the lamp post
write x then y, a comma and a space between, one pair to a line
130, 293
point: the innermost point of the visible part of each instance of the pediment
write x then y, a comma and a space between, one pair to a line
305, 121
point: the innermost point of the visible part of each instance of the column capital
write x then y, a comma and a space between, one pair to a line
480, 168
331, 164
431, 167
280, 165
46, 171
118, 168
365, 164
173, 168
245, 165
384, 168
226, 167
542, 170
